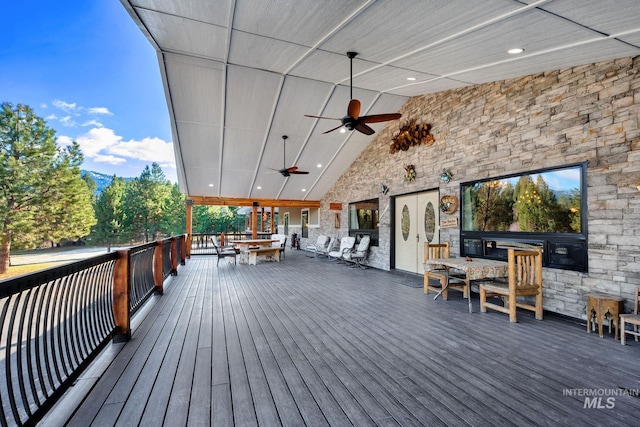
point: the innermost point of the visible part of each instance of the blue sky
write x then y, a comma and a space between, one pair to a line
86, 68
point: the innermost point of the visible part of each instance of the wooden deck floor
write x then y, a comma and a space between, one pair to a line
309, 342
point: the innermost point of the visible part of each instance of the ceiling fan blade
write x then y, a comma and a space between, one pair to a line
353, 110
331, 130
361, 127
299, 172
321, 117
291, 169
377, 118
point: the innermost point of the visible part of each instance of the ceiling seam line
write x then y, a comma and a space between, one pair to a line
523, 57
454, 36
266, 136
223, 112
328, 35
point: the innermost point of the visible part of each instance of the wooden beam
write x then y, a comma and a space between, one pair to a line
254, 224
236, 201
189, 227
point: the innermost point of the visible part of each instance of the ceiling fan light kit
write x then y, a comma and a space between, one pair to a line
353, 120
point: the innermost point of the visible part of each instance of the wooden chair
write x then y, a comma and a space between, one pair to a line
525, 279
226, 253
442, 274
632, 319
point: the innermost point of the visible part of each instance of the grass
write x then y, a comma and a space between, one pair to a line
17, 270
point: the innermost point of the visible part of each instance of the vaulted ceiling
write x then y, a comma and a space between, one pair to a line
240, 74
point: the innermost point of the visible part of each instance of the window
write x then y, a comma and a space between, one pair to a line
544, 208
363, 220
305, 223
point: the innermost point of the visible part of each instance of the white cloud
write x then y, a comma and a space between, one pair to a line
51, 117
64, 141
68, 122
104, 146
112, 160
93, 123
65, 106
100, 110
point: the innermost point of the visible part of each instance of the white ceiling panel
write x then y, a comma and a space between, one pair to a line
264, 53
330, 67
607, 16
181, 35
212, 12
394, 75
240, 74
533, 30
579, 55
303, 22
429, 86
205, 149
195, 89
390, 29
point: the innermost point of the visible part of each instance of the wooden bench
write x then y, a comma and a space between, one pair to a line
270, 252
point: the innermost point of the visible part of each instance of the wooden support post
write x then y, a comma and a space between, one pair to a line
174, 256
262, 217
157, 267
189, 227
121, 285
254, 222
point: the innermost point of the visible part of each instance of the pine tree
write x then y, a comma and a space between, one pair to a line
42, 194
110, 214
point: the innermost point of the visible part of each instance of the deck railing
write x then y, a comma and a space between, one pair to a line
54, 322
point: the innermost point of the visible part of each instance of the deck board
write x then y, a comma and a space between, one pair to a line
310, 342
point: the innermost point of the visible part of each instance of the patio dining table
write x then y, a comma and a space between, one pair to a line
245, 245
474, 269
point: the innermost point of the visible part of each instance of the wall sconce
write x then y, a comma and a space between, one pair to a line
446, 175
384, 189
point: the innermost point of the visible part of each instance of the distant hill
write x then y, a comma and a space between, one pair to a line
102, 180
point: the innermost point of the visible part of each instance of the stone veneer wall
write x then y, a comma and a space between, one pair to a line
586, 113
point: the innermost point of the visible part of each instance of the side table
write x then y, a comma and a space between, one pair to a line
598, 305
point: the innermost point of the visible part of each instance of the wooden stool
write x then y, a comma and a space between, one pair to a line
599, 305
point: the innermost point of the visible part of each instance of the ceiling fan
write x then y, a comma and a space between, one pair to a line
285, 171
353, 120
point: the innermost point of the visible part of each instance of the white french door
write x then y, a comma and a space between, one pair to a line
416, 221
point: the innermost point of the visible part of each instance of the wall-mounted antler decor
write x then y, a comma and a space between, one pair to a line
410, 135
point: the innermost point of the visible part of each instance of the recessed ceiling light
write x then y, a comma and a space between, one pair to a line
259, 188
210, 185
304, 189
411, 79
319, 165
343, 130
515, 51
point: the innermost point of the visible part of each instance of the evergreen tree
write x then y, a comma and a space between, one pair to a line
147, 198
42, 194
175, 214
109, 209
